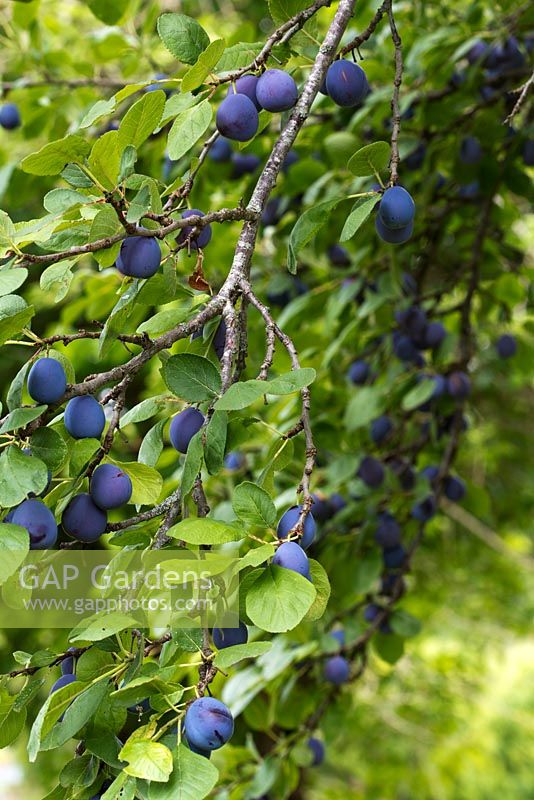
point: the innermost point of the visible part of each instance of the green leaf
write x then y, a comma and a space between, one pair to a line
306, 228
193, 778
238, 56
104, 160
366, 404
232, 655
82, 771
98, 627
140, 204
146, 759
215, 446
11, 279
7, 233
54, 706
59, 200
144, 410
147, 483
279, 599
102, 108
192, 464
187, 129
152, 445
93, 664
141, 120
11, 721
357, 217
20, 476
20, 417
50, 447
128, 160
183, 37
54, 156
404, 624
14, 547
253, 505
367, 572
388, 646
256, 556
322, 587
196, 76
420, 393
15, 314
192, 378
109, 13
163, 321
292, 381
370, 159
241, 394
57, 278
76, 716
204, 531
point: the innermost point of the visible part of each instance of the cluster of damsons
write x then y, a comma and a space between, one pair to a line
85, 517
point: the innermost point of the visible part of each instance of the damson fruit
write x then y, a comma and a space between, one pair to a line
184, 426
228, 637
388, 532
47, 381
337, 670
394, 557
290, 519
359, 372
425, 509
237, 118
68, 664
393, 236
434, 335
458, 385
412, 321
234, 461
339, 636
346, 83
371, 612
61, 682
39, 522
246, 84
506, 346
198, 750
139, 257
317, 748
397, 208
337, 503
290, 555
528, 153
321, 508
244, 164
276, 90
338, 255
103, 789
83, 519
454, 488
470, 150
415, 159
371, 472
404, 348
201, 239
208, 723
9, 116
380, 429
110, 487
220, 151
84, 418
